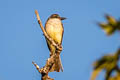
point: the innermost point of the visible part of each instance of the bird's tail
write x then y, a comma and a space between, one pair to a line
61, 66
57, 65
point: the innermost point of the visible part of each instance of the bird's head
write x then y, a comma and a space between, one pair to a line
57, 16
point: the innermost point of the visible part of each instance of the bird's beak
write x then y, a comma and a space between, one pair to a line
62, 18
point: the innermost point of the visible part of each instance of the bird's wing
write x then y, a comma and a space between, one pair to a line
62, 34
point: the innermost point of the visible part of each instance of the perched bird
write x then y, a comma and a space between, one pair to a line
54, 29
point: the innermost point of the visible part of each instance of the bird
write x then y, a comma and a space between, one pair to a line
54, 29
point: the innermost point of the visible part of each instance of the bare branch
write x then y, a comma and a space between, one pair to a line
44, 75
52, 60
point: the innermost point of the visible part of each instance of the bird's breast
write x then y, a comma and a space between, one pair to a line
54, 29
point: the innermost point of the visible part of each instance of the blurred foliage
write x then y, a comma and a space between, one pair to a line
117, 77
111, 25
109, 63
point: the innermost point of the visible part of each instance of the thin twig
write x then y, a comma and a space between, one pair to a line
44, 75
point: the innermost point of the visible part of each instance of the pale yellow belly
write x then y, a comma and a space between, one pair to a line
55, 31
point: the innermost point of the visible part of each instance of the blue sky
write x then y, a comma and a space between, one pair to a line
22, 40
